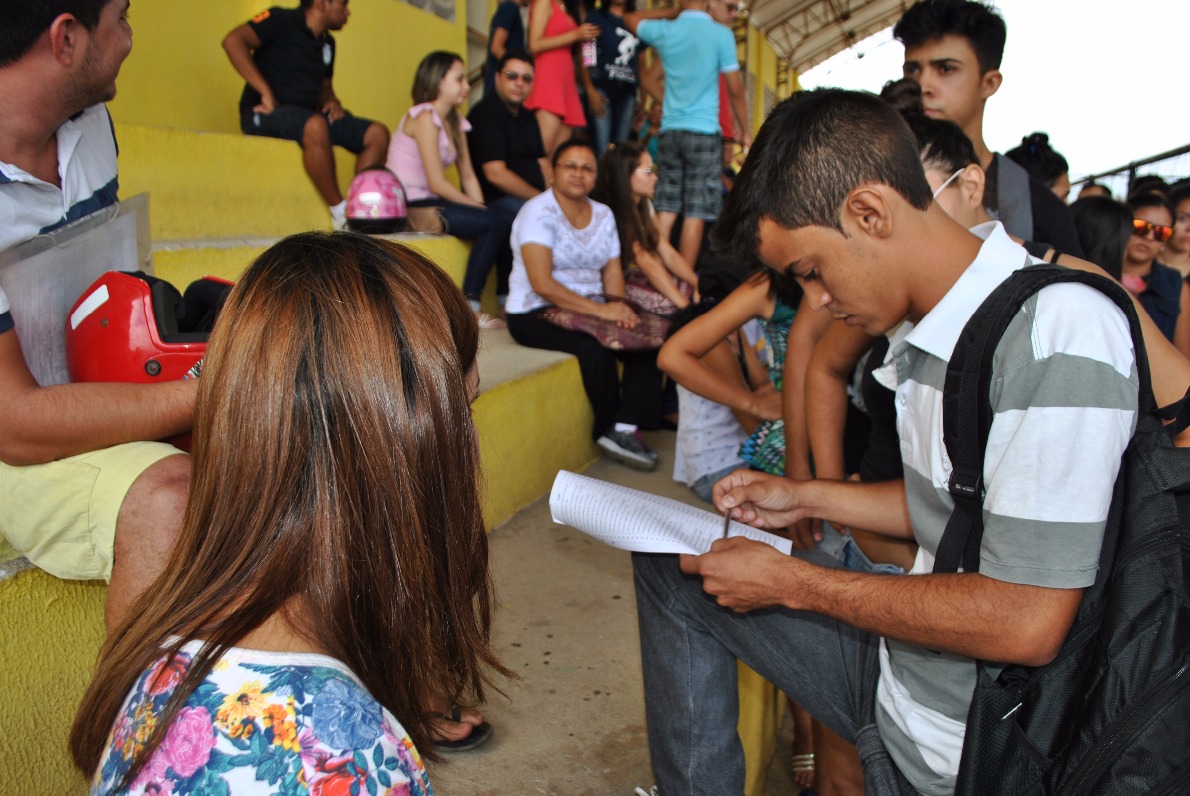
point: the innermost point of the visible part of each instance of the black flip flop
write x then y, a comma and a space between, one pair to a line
478, 737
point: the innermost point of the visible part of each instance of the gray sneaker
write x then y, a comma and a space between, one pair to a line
627, 447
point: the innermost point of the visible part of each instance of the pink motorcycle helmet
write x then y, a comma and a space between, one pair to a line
375, 202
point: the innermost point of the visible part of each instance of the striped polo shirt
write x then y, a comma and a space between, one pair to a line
1064, 397
87, 168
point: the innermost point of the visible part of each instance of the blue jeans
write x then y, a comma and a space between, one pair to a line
615, 125
843, 548
689, 646
704, 486
487, 230
501, 212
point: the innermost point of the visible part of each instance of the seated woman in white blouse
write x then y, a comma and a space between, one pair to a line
566, 254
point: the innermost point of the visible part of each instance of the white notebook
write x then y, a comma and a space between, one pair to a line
633, 520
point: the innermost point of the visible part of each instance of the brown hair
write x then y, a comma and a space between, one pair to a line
335, 486
634, 218
426, 81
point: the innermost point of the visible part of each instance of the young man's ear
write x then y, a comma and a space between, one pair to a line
65, 38
972, 182
867, 209
989, 84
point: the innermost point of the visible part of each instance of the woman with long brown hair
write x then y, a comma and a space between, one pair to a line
332, 568
626, 184
428, 140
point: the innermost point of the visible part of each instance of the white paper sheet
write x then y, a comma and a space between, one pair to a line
644, 523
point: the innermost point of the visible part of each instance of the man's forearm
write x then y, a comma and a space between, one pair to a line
508, 181
967, 614
742, 125
49, 423
240, 56
880, 507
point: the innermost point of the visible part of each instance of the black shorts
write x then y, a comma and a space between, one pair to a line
289, 121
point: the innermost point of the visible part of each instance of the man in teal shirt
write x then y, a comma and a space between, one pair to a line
694, 51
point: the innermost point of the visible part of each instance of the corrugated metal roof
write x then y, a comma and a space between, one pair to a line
807, 32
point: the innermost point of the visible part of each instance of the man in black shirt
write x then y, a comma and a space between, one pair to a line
287, 57
505, 141
506, 148
953, 49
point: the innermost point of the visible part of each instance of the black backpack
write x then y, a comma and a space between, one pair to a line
1111, 713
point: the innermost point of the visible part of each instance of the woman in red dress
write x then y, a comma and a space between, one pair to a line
553, 32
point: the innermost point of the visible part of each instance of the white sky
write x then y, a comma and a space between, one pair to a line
1103, 79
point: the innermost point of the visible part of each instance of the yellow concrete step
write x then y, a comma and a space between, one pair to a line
221, 185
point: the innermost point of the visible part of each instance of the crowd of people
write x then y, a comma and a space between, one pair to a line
799, 360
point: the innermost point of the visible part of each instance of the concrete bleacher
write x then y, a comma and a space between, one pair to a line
216, 201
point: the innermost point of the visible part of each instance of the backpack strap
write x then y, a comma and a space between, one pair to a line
967, 411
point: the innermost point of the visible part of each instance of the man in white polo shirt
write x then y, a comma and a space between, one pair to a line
82, 493
834, 194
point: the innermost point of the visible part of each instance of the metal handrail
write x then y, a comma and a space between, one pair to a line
1135, 165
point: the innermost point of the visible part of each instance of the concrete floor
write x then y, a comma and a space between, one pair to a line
574, 724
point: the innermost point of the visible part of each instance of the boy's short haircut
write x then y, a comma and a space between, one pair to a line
942, 143
812, 151
514, 55
23, 21
927, 20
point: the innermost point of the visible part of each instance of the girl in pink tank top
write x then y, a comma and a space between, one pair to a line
431, 137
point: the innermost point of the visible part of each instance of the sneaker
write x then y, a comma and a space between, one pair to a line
627, 447
642, 792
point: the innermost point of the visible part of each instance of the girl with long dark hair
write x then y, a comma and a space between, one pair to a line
332, 568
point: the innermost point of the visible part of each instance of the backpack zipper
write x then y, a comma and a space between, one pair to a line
1100, 758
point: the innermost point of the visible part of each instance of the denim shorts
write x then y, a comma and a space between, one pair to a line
289, 122
704, 486
844, 549
691, 174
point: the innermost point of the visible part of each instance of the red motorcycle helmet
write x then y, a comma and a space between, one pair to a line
132, 327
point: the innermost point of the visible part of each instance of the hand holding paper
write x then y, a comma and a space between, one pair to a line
633, 520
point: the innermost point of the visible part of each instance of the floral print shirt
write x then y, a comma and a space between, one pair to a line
262, 722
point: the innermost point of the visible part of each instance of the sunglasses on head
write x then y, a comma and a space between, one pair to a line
514, 76
1142, 228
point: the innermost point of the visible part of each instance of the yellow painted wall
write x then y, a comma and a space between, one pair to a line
179, 76
762, 65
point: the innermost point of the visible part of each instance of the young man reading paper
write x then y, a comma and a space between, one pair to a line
833, 194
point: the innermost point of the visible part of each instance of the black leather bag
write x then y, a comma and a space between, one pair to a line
1111, 713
